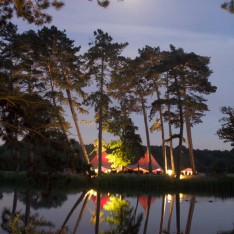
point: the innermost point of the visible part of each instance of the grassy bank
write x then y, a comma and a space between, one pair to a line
218, 185
127, 183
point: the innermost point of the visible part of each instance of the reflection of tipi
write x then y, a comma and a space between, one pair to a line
105, 163
103, 200
144, 201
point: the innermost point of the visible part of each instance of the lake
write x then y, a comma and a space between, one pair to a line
59, 212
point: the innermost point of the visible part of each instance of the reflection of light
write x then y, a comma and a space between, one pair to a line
182, 195
169, 172
182, 177
93, 192
169, 197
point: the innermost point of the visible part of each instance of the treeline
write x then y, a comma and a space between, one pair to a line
53, 159
207, 161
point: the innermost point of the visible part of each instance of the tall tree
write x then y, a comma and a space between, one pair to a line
150, 57
131, 79
100, 59
188, 74
60, 62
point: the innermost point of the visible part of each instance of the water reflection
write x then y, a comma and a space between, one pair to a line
95, 212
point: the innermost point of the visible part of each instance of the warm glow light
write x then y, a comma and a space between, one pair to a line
169, 172
93, 192
182, 177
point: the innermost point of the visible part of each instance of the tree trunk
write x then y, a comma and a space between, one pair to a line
58, 116
100, 122
15, 199
170, 130
72, 210
86, 200
178, 213
170, 214
147, 134
189, 138
162, 214
27, 207
75, 119
17, 157
147, 214
190, 215
97, 213
170, 137
31, 168
164, 149
181, 124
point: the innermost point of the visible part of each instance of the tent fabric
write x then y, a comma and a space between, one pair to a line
143, 164
187, 171
105, 163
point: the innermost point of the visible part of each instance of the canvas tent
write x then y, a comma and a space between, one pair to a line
187, 171
105, 163
143, 164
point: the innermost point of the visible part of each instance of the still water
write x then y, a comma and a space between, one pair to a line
58, 212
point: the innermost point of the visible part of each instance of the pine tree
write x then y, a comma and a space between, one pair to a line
100, 59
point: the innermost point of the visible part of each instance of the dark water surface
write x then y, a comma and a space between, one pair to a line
117, 213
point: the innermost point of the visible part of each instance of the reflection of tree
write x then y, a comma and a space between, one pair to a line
170, 214
16, 223
162, 213
122, 217
71, 211
190, 215
147, 214
87, 198
177, 213
38, 200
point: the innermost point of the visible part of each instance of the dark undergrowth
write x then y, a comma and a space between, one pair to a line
222, 186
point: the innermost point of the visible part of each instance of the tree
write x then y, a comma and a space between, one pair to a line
226, 132
228, 5
188, 75
60, 63
150, 57
31, 11
131, 79
100, 59
126, 149
122, 218
104, 3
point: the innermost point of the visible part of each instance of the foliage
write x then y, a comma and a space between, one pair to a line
228, 5
31, 11
226, 132
121, 154
122, 218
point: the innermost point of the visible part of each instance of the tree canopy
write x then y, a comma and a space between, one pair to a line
226, 132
